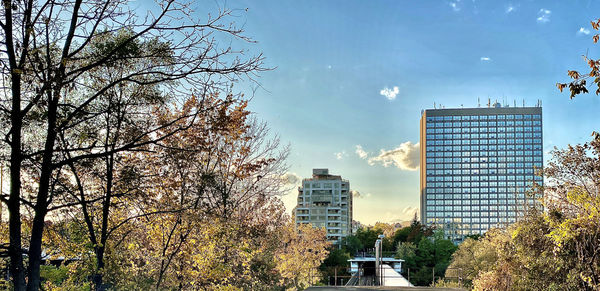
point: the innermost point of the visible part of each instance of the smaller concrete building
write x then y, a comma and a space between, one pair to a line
325, 201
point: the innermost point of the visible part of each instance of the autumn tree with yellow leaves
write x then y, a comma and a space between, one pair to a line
554, 250
64, 64
130, 159
200, 209
304, 249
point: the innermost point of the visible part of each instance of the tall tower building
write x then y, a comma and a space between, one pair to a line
477, 165
325, 201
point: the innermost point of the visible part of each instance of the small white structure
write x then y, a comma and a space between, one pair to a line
389, 270
359, 263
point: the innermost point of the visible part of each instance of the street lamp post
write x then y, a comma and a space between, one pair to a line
378, 252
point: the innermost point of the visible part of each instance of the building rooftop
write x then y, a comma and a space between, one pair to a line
483, 110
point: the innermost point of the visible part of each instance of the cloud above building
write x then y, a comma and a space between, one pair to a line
485, 59
390, 94
340, 155
405, 157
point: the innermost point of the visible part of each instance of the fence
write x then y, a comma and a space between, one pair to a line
340, 276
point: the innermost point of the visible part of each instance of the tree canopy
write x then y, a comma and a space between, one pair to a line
553, 250
131, 160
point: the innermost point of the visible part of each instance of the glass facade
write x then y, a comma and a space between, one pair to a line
478, 166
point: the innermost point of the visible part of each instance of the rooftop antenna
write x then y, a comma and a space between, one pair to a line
523, 102
434, 105
514, 102
478, 103
489, 102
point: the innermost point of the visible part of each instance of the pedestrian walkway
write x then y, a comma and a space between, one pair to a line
392, 278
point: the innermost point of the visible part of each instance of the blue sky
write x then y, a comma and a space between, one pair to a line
334, 60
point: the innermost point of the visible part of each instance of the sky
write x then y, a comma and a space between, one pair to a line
350, 79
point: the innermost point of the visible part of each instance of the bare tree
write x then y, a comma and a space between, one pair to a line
50, 55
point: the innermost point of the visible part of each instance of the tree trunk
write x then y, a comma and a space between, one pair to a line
100, 250
14, 204
41, 206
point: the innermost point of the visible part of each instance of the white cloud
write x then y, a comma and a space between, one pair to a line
485, 59
290, 182
510, 9
360, 152
408, 213
454, 5
410, 210
329, 67
358, 195
544, 15
390, 94
405, 156
340, 155
291, 179
583, 31
405, 214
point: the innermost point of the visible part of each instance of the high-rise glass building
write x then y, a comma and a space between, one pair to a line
477, 166
325, 201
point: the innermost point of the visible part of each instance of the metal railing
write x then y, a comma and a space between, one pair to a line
365, 276
341, 276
